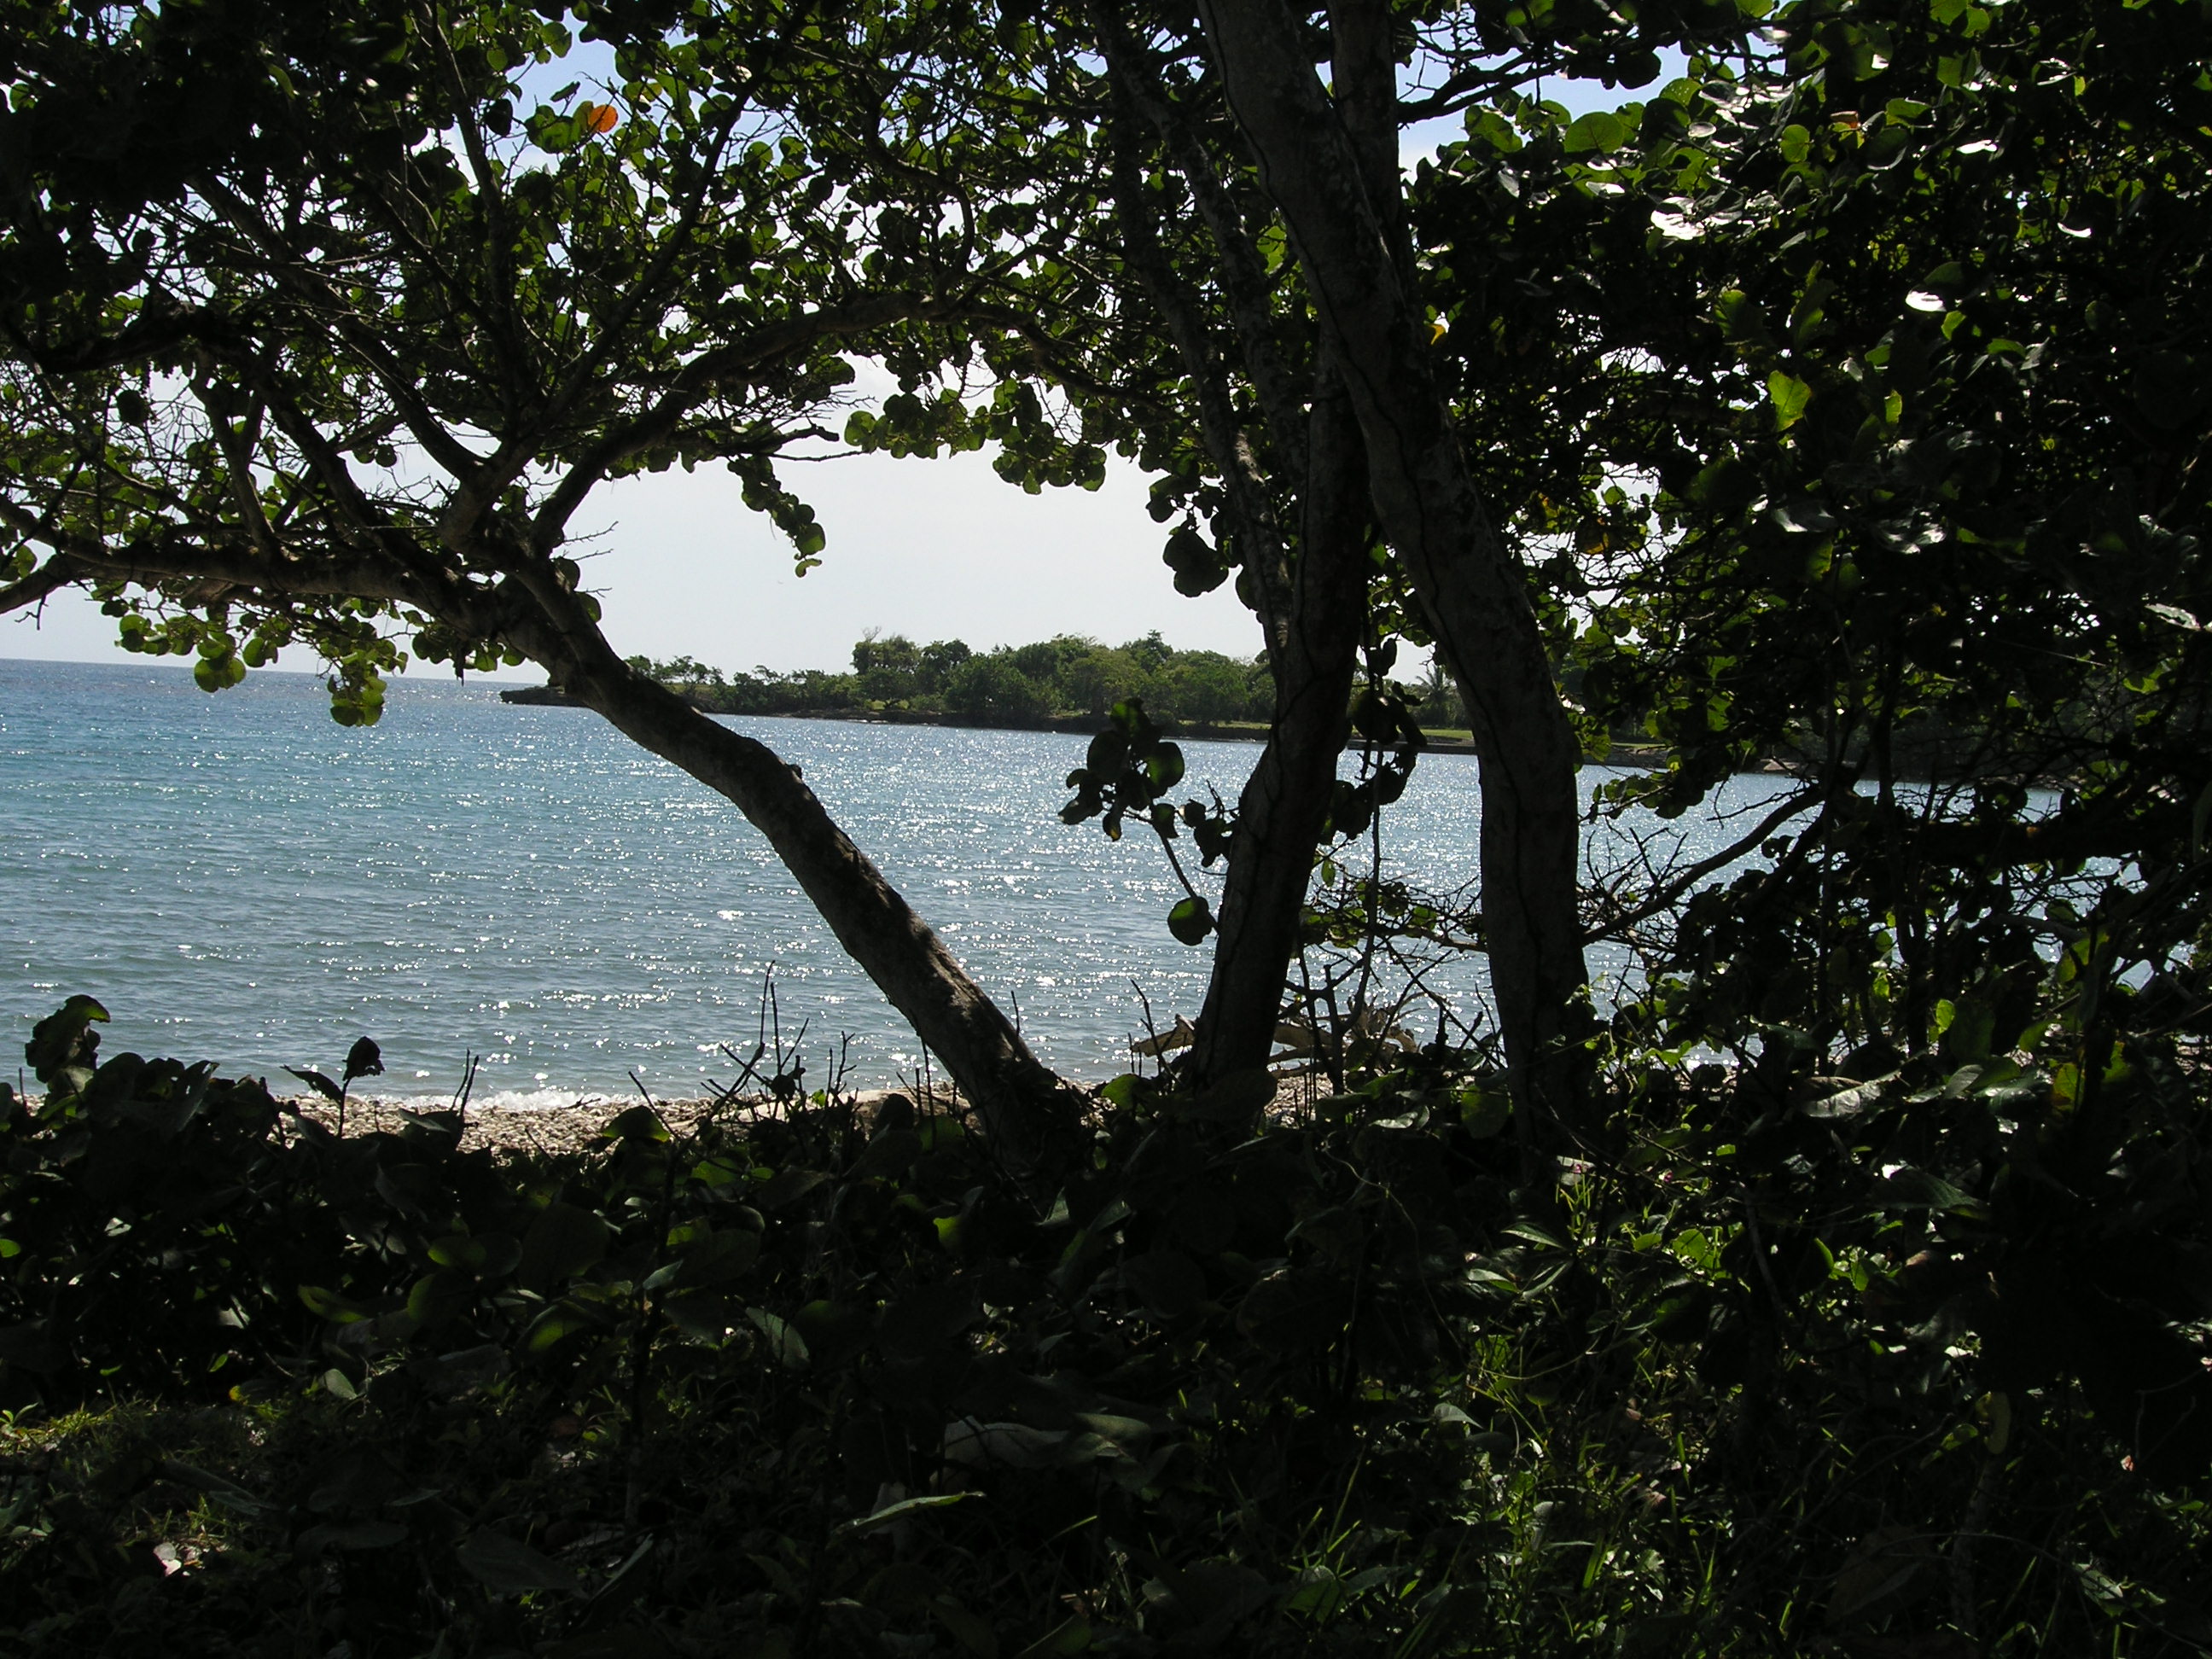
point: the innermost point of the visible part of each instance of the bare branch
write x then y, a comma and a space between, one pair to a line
1680, 882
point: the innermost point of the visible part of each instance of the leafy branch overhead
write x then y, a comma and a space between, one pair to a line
408, 322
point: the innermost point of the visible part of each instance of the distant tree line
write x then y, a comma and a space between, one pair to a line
1069, 674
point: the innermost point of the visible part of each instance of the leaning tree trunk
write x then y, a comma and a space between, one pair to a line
1473, 596
1023, 1108
1286, 803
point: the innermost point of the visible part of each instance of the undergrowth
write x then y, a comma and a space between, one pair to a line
1893, 1364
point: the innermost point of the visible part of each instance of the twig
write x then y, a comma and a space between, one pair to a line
1152, 1027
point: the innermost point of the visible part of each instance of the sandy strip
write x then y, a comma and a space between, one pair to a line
555, 1129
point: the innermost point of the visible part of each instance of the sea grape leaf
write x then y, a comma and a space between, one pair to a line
788, 1346
1169, 1283
786, 1187
1191, 920
1299, 1308
562, 1243
903, 1509
364, 1059
321, 1085
63, 1040
507, 1566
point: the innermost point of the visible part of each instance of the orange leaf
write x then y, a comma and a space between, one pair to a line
597, 118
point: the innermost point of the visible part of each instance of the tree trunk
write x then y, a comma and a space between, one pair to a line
1472, 597
1023, 1108
1286, 799
1312, 607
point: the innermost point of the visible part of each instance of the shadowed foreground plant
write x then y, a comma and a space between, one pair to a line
816, 1379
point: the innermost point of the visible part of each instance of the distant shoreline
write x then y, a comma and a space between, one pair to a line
1915, 764
1081, 725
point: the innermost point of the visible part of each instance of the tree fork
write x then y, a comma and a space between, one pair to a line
1431, 511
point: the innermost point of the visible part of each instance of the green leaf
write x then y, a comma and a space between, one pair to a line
1123, 1090
905, 1509
1916, 1189
1191, 920
1295, 1310
1599, 130
787, 1345
557, 1323
1886, 149
490, 1256
704, 1315
1070, 1637
788, 1187
438, 1297
973, 1633
507, 1566
1789, 396
562, 1243
1167, 1282
639, 1123
63, 1038
1484, 1113
723, 1256
329, 1305
321, 1085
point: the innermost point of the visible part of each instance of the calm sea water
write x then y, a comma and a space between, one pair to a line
238, 878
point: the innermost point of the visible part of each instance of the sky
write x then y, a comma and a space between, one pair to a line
933, 549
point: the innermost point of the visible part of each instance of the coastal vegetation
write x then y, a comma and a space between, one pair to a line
1843, 1288
1071, 674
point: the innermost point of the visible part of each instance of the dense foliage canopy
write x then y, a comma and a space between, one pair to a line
1836, 404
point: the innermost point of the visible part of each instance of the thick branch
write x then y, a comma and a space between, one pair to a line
1286, 799
50, 578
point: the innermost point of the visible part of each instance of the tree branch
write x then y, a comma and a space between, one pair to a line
707, 375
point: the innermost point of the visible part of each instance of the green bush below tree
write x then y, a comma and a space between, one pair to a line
1847, 1365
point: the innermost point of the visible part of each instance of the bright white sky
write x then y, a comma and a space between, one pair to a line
933, 550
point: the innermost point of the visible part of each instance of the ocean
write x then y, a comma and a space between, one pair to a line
237, 877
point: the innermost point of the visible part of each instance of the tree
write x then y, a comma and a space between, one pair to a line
349, 362
530, 306
890, 669
1260, 387
993, 688
1207, 686
939, 659
1101, 677
1914, 314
